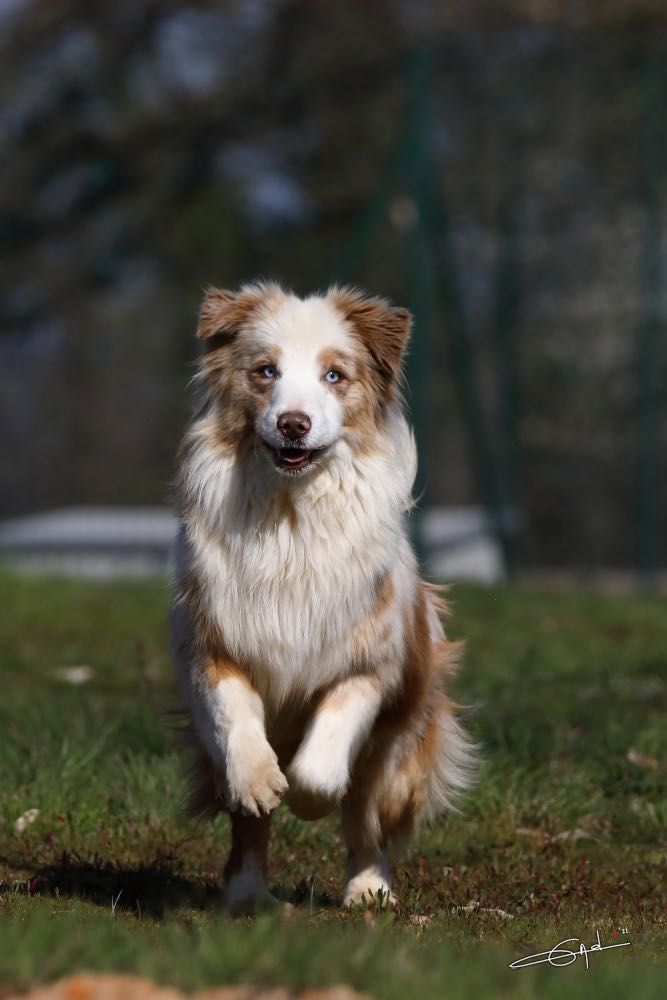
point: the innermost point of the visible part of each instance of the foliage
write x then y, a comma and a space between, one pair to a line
153, 148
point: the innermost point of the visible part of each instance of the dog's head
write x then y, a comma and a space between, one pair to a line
305, 378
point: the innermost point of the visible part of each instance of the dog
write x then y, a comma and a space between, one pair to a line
310, 653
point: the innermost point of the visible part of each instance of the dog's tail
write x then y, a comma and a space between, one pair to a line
451, 759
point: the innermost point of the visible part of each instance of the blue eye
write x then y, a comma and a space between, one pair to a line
332, 376
268, 371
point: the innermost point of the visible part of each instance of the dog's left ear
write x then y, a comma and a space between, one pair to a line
384, 330
222, 312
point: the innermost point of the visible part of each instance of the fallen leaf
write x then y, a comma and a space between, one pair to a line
28, 817
495, 911
74, 675
491, 911
641, 760
573, 835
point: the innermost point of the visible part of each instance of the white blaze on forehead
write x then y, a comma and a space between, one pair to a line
302, 330
304, 327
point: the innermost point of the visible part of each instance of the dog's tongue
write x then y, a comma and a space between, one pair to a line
293, 456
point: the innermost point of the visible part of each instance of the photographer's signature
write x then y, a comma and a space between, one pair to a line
560, 954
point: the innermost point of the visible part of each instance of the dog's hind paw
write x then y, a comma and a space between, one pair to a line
368, 887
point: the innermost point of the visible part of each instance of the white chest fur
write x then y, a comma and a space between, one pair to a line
288, 574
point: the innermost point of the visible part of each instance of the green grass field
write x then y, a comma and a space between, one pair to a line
565, 833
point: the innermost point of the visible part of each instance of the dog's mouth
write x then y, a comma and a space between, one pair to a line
294, 459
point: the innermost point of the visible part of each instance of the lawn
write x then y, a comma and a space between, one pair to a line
564, 834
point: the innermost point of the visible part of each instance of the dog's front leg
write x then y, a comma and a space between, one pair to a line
319, 774
229, 717
245, 872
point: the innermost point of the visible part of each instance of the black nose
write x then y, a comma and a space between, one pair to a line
294, 425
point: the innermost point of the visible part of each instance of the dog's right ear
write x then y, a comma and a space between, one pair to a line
223, 313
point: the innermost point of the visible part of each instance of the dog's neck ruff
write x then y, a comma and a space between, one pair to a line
286, 565
240, 493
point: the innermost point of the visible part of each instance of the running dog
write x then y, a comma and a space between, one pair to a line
310, 653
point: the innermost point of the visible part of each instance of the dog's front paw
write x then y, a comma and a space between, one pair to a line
255, 783
320, 773
317, 784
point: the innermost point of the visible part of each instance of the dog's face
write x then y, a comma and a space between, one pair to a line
300, 378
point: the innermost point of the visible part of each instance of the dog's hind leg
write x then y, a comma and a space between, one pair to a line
245, 872
406, 779
367, 861
368, 878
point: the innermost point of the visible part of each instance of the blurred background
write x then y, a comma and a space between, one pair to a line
496, 165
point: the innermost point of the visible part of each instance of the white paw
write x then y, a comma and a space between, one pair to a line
370, 884
368, 887
324, 776
255, 783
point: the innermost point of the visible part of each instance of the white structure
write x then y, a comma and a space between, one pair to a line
103, 542
459, 544
90, 541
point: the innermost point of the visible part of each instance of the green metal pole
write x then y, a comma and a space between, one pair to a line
507, 359
460, 353
355, 251
419, 271
650, 503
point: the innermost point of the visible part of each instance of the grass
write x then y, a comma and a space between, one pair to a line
565, 831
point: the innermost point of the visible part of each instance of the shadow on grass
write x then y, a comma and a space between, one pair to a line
150, 890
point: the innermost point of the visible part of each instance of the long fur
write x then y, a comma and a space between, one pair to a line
310, 653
